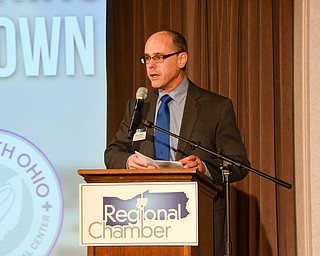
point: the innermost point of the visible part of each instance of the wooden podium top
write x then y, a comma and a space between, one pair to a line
146, 175
137, 171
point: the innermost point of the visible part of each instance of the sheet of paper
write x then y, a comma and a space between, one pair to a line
159, 163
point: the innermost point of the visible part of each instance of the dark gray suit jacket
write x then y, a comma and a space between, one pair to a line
208, 118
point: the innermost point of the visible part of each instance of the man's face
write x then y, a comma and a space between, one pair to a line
168, 74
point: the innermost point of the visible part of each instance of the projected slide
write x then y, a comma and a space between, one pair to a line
52, 119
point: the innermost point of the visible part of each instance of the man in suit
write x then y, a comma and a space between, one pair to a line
195, 114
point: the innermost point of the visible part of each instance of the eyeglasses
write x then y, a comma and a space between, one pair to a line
158, 58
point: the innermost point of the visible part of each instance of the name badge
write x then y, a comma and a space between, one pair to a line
141, 134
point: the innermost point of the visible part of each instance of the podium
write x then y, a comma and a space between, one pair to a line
207, 191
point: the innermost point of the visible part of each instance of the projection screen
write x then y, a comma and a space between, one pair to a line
52, 119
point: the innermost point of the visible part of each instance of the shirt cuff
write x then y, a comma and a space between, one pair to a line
207, 173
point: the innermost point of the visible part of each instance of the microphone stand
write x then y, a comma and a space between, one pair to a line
193, 144
224, 167
225, 175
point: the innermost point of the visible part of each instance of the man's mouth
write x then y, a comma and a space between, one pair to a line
154, 75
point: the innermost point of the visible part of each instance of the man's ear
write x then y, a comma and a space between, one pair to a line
183, 58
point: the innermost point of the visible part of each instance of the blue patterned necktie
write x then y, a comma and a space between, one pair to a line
161, 139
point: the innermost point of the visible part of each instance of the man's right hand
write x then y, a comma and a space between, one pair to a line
133, 162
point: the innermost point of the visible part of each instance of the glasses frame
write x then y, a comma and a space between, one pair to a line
161, 57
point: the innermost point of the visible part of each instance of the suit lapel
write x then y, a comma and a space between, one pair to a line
190, 115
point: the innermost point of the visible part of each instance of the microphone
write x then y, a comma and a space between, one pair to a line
141, 95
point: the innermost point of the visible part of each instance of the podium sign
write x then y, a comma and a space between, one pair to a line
142, 213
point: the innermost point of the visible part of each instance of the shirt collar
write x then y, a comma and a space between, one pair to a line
179, 93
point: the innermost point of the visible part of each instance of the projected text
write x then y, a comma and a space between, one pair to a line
41, 49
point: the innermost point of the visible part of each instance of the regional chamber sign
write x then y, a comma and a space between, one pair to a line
114, 214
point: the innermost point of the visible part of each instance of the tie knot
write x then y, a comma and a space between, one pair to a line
165, 99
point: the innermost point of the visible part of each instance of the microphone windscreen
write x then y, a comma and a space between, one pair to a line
142, 93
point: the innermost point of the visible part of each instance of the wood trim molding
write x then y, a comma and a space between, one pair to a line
302, 127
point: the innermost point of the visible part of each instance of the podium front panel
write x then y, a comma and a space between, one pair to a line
144, 213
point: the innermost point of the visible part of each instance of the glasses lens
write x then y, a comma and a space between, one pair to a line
158, 58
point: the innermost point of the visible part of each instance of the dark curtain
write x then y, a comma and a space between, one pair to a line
242, 49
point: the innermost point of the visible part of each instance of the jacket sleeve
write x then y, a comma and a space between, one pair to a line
120, 148
228, 143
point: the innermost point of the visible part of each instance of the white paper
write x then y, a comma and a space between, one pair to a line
159, 163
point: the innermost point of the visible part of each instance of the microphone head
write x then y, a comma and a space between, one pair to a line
142, 93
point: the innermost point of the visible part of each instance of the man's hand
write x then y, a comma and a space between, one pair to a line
193, 161
134, 162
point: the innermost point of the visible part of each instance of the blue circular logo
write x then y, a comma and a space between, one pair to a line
31, 201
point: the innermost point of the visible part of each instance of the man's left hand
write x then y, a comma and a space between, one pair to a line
193, 161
